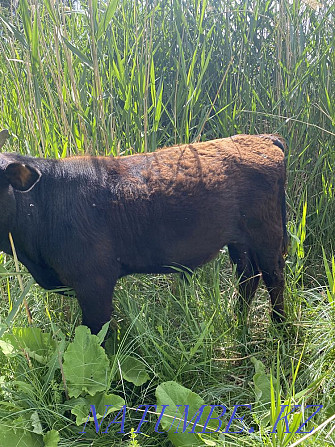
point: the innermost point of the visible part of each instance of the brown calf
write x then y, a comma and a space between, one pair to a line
84, 222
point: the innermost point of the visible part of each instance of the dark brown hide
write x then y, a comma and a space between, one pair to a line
84, 222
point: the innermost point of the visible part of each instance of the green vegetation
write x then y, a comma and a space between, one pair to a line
119, 77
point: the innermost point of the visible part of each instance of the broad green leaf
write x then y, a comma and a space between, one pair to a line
19, 36
7, 349
36, 423
81, 406
158, 110
86, 365
51, 438
153, 81
262, 382
26, 19
14, 433
133, 370
84, 59
39, 345
50, 10
107, 17
53, 362
34, 47
22, 387
174, 417
103, 331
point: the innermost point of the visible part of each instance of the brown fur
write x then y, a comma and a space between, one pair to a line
84, 222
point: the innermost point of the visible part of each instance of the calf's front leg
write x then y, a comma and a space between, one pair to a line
95, 299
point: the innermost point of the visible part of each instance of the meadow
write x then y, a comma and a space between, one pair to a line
120, 77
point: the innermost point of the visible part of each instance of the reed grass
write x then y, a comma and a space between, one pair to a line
118, 77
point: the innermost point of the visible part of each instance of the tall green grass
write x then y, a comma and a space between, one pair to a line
119, 77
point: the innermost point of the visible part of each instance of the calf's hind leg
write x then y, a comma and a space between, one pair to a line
247, 271
271, 263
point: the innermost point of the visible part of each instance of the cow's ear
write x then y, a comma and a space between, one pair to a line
22, 177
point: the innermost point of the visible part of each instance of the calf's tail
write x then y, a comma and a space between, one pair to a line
280, 142
283, 216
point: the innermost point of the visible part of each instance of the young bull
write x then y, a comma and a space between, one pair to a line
84, 222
